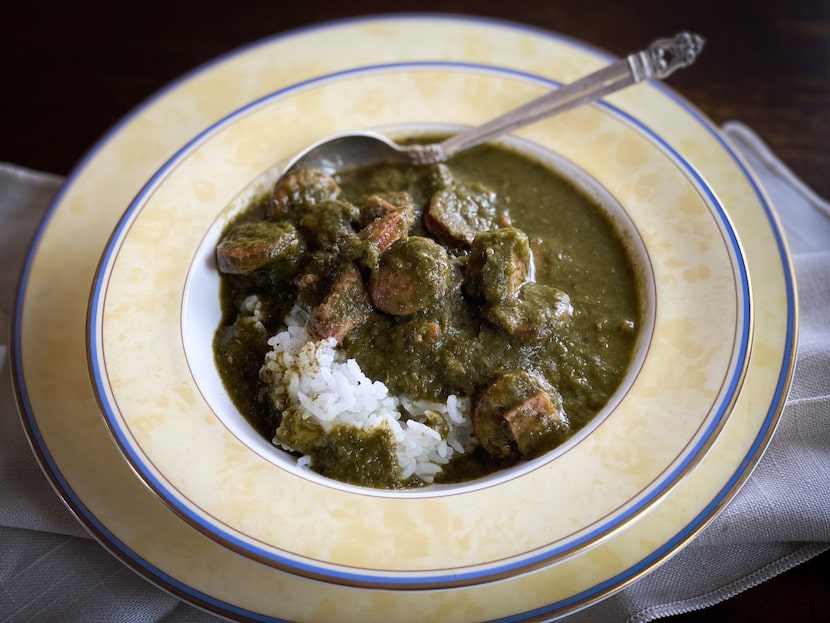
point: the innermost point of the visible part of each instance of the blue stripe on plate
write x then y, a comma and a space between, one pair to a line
147, 569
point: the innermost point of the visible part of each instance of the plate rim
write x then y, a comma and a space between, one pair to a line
104, 536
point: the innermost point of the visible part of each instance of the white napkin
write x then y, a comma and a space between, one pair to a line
50, 570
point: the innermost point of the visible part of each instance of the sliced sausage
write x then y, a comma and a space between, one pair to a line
455, 215
413, 274
255, 244
535, 312
499, 263
300, 189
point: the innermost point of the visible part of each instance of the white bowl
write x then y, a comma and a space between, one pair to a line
202, 314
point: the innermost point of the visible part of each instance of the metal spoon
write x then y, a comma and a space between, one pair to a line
355, 149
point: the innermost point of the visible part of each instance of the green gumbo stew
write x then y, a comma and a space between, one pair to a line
489, 278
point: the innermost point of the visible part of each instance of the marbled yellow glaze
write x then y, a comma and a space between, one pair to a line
116, 505
691, 352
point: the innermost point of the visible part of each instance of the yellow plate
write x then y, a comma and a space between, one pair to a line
577, 563
148, 305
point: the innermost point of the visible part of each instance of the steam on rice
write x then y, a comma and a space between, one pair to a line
310, 378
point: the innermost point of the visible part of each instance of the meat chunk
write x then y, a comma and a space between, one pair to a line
538, 424
300, 189
456, 214
316, 276
520, 413
383, 232
413, 274
255, 244
382, 204
535, 312
345, 307
391, 223
500, 262
329, 224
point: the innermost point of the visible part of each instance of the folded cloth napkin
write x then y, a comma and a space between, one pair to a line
51, 570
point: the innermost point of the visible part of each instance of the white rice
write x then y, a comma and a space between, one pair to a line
250, 312
309, 376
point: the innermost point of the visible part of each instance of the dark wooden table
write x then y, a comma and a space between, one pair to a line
69, 71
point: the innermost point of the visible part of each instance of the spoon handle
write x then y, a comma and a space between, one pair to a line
659, 60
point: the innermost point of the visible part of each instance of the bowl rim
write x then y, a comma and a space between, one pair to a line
203, 268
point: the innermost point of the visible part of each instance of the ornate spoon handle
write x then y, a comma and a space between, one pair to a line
659, 60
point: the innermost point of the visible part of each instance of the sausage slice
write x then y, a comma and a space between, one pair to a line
255, 244
413, 274
455, 215
300, 189
499, 264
